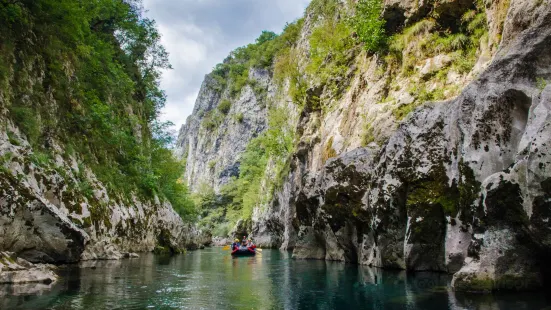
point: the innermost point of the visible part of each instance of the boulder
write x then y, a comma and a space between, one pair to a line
15, 270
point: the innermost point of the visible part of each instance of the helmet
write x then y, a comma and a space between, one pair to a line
236, 240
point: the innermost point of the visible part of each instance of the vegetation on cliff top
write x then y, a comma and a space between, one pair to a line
261, 54
85, 74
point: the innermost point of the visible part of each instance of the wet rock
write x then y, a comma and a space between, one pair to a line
102, 250
220, 241
130, 255
15, 270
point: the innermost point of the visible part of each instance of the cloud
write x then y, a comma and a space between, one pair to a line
198, 34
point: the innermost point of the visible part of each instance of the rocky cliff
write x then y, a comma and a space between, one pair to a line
83, 174
211, 144
46, 217
421, 156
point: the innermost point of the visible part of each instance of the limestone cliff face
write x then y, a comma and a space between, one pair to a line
460, 186
212, 151
45, 216
53, 209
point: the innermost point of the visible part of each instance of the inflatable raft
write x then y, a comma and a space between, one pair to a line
243, 251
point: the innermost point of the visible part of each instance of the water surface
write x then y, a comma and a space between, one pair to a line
212, 279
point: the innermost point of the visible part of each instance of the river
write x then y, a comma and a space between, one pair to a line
212, 279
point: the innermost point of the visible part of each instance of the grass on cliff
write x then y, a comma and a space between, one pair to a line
263, 166
268, 153
334, 43
428, 38
86, 74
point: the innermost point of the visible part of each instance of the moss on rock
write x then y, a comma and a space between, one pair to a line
504, 206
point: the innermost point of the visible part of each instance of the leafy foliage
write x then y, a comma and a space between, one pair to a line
260, 54
369, 25
276, 145
330, 46
100, 90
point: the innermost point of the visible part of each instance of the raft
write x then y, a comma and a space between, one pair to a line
243, 251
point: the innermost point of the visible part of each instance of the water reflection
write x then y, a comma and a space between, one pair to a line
212, 279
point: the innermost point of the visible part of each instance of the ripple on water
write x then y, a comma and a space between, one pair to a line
212, 279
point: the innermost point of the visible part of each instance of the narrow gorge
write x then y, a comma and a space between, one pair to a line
399, 135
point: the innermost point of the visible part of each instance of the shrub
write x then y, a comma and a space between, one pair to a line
239, 117
369, 25
328, 150
224, 106
330, 46
26, 119
40, 158
541, 83
13, 139
402, 111
212, 164
368, 135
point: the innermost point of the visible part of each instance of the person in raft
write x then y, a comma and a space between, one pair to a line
244, 242
251, 244
235, 244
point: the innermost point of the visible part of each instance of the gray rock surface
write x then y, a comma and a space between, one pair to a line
15, 270
45, 218
461, 186
212, 154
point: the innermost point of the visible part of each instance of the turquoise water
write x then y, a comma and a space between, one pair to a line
211, 279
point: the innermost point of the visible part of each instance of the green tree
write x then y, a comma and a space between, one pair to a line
369, 24
99, 93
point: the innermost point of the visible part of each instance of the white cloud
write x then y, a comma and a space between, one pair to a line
200, 34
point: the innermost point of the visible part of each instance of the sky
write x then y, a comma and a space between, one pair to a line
198, 34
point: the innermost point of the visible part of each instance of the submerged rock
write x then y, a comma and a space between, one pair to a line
130, 255
15, 270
